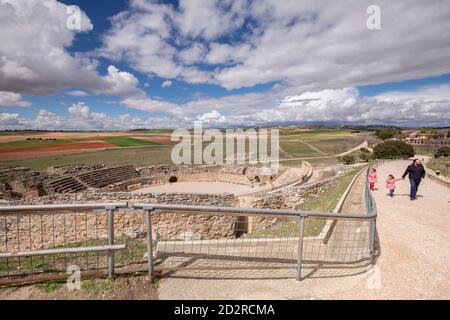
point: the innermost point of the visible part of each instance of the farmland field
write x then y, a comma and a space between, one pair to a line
121, 156
39, 150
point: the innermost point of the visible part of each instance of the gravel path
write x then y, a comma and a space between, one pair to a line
414, 237
414, 261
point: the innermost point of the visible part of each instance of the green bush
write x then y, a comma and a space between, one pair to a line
385, 134
393, 149
364, 156
443, 151
364, 150
347, 159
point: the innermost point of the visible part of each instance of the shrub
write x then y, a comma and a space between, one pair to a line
364, 150
364, 156
443, 151
347, 159
385, 134
393, 149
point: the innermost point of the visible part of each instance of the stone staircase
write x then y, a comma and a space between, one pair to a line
93, 179
104, 177
67, 184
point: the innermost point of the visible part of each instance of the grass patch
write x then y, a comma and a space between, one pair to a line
93, 287
134, 253
336, 146
128, 142
327, 200
285, 228
298, 149
441, 164
50, 287
425, 149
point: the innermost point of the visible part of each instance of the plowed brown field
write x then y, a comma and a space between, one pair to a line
51, 150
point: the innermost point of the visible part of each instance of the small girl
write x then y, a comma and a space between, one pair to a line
390, 184
372, 178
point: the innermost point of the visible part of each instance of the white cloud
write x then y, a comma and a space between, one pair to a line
78, 93
9, 99
166, 84
213, 117
120, 83
34, 59
9, 120
311, 45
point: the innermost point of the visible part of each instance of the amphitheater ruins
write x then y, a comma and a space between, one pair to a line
235, 186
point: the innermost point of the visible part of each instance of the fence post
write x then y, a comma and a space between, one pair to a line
148, 215
300, 248
110, 241
373, 232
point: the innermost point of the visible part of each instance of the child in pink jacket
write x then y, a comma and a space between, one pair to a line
372, 178
390, 184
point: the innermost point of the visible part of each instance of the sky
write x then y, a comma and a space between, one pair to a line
128, 64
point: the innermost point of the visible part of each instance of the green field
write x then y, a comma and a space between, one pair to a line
128, 142
305, 148
298, 149
121, 142
338, 145
314, 134
140, 156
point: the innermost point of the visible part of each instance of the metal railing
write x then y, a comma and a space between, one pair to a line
39, 239
181, 238
284, 239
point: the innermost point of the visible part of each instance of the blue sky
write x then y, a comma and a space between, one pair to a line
145, 63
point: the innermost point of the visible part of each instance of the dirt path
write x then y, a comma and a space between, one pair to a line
414, 239
274, 284
365, 144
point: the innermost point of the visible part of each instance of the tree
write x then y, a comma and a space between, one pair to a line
364, 150
365, 156
443, 151
347, 159
385, 134
393, 149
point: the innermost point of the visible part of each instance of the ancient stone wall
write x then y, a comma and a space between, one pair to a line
58, 228
73, 168
23, 181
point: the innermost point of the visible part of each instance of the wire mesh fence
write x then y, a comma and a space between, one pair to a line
155, 237
50, 240
256, 239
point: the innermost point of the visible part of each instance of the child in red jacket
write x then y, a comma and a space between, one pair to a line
373, 178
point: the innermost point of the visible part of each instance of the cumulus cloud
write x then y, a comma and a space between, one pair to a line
9, 99
9, 120
80, 118
213, 117
78, 93
166, 84
309, 45
34, 58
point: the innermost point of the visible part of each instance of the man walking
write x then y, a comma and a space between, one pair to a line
416, 173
